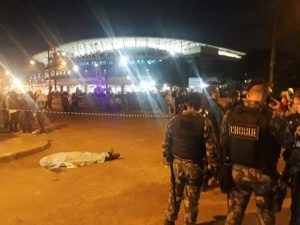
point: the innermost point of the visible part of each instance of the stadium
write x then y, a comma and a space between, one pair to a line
126, 64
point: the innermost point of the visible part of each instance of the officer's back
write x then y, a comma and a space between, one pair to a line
188, 141
189, 138
252, 138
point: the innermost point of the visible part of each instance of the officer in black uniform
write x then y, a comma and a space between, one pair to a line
189, 138
252, 137
292, 171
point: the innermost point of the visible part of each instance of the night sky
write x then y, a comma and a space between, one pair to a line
241, 25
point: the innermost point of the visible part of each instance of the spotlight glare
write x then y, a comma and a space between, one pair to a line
18, 84
76, 68
204, 85
123, 60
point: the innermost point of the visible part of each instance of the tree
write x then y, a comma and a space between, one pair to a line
286, 19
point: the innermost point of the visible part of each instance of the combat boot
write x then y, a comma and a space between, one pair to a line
167, 222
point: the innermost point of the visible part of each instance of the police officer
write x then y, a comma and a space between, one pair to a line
214, 108
188, 139
252, 137
292, 170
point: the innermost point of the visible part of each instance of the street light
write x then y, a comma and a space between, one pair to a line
63, 63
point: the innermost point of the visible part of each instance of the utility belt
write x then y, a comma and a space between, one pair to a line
257, 172
193, 182
201, 163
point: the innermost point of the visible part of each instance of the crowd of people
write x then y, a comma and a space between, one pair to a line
238, 146
19, 111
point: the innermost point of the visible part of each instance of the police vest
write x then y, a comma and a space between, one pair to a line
188, 137
250, 142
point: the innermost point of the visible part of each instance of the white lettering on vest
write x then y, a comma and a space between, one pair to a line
244, 131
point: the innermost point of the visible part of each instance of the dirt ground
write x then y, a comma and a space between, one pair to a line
132, 190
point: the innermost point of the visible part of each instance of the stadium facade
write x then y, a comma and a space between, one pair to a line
125, 64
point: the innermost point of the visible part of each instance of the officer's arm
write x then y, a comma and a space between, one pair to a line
281, 131
167, 144
212, 146
224, 139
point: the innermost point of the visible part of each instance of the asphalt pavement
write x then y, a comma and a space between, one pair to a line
132, 190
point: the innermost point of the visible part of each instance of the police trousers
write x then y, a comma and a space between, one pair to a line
188, 176
245, 182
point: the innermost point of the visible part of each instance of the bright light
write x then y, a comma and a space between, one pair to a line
144, 85
7, 72
17, 84
123, 60
32, 62
76, 68
63, 63
166, 87
152, 83
172, 53
147, 85
96, 65
204, 85
229, 54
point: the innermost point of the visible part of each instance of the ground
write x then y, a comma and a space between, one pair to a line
132, 190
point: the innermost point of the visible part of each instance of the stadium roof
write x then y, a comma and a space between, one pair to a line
173, 46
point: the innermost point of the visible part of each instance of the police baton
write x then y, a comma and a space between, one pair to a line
173, 185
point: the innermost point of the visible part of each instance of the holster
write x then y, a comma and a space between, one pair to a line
225, 177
